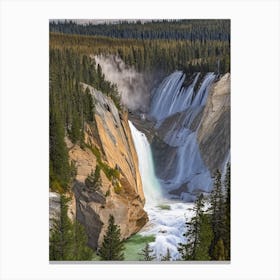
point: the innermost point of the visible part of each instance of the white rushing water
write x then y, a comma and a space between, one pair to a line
168, 227
150, 183
166, 217
172, 97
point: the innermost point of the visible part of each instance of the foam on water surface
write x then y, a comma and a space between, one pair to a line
167, 223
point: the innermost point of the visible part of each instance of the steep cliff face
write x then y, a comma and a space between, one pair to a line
110, 145
214, 132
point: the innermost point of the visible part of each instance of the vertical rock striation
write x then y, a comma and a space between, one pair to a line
214, 132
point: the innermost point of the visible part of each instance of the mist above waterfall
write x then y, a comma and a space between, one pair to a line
131, 84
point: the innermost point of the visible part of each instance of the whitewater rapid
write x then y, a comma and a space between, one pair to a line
166, 217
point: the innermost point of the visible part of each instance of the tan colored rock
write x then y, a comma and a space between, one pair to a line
84, 160
214, 130
111, 135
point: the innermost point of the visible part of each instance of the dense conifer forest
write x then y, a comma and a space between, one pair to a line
71, 108
201, 46
154, 29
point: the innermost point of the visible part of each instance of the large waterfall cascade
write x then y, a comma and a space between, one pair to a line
171, 98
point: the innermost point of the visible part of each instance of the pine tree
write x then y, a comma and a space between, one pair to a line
93, 181
59, 161
205, 238
219, 251
147, 253
75, 132
88, 105
167, 256
112, 245
215, 197
198, 234
68, 241
227, 214
61, 235
81, 252
188, 249
217, 207
220, 217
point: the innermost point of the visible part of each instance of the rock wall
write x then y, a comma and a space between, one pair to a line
111, 136
214, 131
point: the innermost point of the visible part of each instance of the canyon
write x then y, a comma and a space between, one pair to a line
182, 139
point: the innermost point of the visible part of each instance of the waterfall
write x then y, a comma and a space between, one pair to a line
172, 97
150, 182
189, 175
167, 225
162, 98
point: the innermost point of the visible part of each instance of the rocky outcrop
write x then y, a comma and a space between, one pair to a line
214, 130
109, 144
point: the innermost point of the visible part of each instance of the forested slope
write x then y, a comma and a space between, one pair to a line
150, 29
200, 46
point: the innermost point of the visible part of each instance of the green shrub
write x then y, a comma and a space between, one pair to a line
111, 173
117, 188
56, 187
96, 152
93, 180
